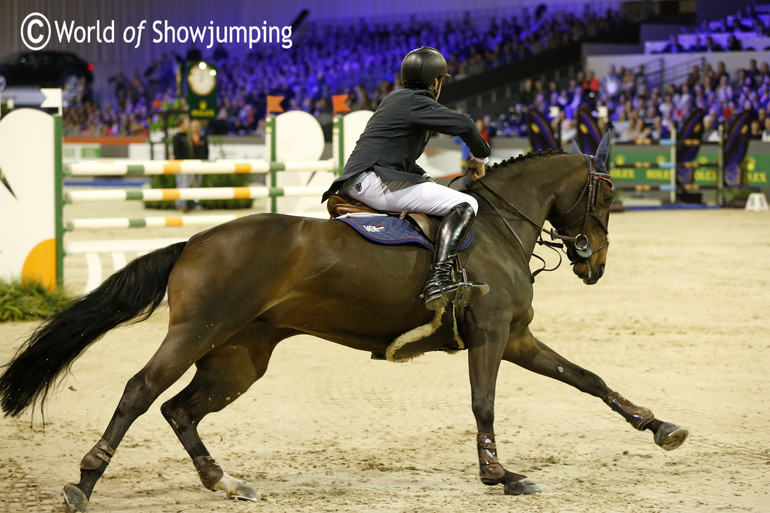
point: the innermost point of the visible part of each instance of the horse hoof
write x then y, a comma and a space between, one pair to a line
670, 436
75, 499
243, 491
521, 488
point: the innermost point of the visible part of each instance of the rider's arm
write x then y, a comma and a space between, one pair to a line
428, 113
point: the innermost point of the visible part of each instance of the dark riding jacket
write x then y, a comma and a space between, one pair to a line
397, 133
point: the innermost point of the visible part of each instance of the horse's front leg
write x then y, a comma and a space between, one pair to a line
484, 356
528, 352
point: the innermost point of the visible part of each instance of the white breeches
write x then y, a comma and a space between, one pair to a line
398, 196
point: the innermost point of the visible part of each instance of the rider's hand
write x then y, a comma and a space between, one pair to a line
476, 169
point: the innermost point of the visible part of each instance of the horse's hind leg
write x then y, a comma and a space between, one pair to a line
528, 352
222, 376
175, 355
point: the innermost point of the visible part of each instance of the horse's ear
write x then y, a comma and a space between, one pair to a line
603, 152
576, 148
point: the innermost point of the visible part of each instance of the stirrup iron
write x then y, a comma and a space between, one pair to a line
461, 292
468, 290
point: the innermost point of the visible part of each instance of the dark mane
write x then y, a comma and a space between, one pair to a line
520, 157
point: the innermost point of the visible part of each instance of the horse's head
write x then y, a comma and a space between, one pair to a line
581, 213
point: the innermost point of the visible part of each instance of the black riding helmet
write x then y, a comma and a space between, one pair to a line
421, 66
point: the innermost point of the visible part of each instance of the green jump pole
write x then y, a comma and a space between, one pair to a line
59, 199
337, 129
270, 130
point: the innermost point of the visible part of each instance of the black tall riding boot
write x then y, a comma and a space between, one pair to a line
441, 288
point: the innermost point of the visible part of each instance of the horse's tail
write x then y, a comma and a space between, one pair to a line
136, 290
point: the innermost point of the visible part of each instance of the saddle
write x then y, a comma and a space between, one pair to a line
339, 205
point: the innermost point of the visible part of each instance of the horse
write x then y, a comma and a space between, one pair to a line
237, 290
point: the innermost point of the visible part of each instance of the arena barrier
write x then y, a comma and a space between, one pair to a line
665, 175
678, 172
294, 142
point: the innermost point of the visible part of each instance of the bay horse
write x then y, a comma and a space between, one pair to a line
236, 290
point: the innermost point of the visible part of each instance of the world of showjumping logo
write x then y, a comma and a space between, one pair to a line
37, 31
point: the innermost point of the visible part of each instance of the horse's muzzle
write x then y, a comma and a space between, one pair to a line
584, 271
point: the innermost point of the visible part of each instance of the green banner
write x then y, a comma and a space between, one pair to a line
629, 166
757, 170
653, 167
640, 167
624, 174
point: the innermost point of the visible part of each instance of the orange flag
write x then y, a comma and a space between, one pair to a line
338, 103
274, 104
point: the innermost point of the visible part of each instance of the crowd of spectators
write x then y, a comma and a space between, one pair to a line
725, 35
130, 106
641, 113
360, 61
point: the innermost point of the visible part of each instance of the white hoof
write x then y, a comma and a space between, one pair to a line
237, 489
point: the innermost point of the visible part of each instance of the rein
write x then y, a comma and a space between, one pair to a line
582, 246
552, 245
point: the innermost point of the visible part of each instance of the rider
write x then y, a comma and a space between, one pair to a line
381, 171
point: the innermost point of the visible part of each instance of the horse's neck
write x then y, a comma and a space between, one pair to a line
532, 187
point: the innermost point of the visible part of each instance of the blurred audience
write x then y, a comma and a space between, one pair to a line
326, 63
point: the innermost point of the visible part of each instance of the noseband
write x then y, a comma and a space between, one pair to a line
583, 247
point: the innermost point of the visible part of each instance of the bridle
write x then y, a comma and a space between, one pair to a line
583, 247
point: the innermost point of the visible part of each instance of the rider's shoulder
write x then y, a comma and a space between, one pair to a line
410, 93
420, 97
